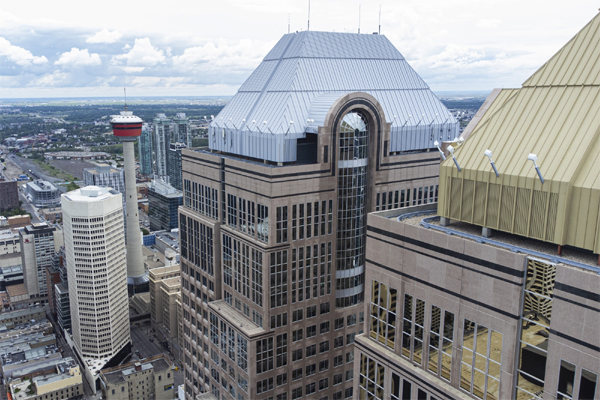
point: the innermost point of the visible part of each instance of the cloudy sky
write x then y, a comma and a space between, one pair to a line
185, 47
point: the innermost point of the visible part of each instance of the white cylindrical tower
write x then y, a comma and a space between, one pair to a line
127, 127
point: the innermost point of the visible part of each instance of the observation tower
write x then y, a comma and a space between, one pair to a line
127, 127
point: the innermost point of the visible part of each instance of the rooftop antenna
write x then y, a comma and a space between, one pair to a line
308, 29
359, 18
288, 23
125, 92
379, 19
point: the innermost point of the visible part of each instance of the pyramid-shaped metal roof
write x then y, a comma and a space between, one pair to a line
302, 67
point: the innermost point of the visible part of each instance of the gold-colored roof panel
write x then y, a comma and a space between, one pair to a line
555, 115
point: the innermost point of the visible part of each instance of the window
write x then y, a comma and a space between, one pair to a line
297, 393
278, 267
311, 350
297, 355
324, 327
324, 307
349, 375
441, 334
371, 381
297, 315
310, 388
338, 361
262, 226
383, 314
279, 320
281, 350
324, 346
297, 374
481, 358
311, 331
294, 221
242, 353
323, 384
282, 224
351, 320
281, 379
338, 342
323, 365
297, 335
311, 311
264, 355
264, 385
566, 381
232, 210
337, 379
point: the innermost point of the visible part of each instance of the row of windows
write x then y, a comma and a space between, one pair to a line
196, 243
200, 198
245, 217
403, 198
242, 269
307, 283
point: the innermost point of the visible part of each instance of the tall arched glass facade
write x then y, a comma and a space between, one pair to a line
352, 213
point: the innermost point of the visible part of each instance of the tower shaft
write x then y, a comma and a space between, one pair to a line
135, 264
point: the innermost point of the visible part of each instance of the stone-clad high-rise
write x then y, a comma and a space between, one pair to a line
328, 128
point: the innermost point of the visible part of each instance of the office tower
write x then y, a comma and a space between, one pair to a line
61, 292
181, 130
272, 231
127, 127
495, 295
39, 242
104, 175
42, 193
161, 142
174, 164
97, 276
9, 195
164, 200
145, 151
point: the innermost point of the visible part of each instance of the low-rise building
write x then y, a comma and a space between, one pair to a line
53, 214
42, 193
9, 242
64, 382
19, 317
150, 378
18, 296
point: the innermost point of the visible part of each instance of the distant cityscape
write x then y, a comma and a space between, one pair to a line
335, 230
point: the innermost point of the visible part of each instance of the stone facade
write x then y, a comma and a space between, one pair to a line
261, 277
500, 318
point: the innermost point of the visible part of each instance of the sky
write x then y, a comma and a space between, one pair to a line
67, 48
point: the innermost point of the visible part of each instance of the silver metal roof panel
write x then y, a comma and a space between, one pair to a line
295, 83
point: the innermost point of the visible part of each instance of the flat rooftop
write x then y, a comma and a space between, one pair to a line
428, 218
157, 363
235, 318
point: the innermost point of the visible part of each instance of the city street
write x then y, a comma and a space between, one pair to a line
140, 338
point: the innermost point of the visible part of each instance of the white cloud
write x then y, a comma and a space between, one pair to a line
131, 70
488, 23
143, 54
77, 58
105, 36
19, 55
243, 56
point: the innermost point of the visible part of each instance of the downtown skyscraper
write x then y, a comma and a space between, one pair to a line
273, 226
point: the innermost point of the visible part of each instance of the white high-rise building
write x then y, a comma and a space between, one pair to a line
97, 274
